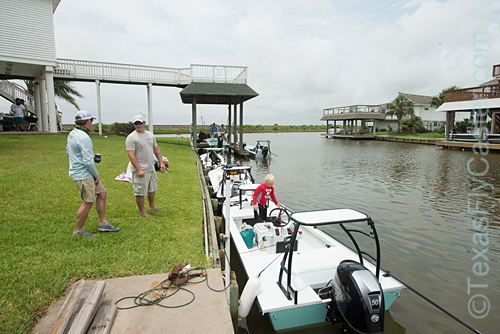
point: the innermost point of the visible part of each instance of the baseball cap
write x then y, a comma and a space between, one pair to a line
83, 115
138, 118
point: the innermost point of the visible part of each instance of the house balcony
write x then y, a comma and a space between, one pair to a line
355, 112
489, 91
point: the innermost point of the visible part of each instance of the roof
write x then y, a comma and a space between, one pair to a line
470, 105
217, 93
418, 99
491, 82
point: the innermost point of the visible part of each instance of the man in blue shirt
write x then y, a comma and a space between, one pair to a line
83, 171
213, 130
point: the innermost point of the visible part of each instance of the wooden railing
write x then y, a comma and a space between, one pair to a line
89, 70
11, 91
356, 109
473, 93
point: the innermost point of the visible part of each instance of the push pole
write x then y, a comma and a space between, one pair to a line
228, 239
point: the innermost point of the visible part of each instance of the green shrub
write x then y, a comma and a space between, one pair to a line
123, 129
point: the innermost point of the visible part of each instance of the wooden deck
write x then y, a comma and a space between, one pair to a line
462, 145
355, 137
412, 140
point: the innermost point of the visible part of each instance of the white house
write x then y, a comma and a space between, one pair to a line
27, 51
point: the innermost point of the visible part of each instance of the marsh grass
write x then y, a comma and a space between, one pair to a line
38, 206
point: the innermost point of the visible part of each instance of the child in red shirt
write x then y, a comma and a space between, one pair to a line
262, 195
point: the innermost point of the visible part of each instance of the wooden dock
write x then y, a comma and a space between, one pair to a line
462, 145
238, 151
412, 140
353, 137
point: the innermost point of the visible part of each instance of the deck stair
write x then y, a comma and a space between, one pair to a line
11, 91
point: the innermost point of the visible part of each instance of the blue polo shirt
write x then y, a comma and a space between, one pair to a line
81, 156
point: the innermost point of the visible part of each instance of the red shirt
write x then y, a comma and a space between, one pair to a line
262, 194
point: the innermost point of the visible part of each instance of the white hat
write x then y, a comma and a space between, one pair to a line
83, 115
138, 118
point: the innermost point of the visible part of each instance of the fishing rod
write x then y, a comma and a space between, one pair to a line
388, 274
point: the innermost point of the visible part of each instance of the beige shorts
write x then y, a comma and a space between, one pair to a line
143, 185
88, 190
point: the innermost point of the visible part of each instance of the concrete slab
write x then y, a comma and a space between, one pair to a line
208, 313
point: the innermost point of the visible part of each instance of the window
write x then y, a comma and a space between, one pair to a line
426, 108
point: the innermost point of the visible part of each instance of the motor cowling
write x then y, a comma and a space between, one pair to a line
265, 151
357, 298
214, 157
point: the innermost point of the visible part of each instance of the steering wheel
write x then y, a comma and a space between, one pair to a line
285, 220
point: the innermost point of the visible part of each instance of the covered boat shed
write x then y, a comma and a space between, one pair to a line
349, 116
230, 94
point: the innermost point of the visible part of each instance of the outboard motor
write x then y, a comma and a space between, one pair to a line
357, 299
214, 157
220, 140
265, 151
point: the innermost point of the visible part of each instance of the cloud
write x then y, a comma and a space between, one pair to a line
302, 56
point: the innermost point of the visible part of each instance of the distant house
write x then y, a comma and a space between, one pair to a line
369, 115
423, 109
483, 102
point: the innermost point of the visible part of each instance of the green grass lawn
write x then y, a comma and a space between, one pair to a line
38, 209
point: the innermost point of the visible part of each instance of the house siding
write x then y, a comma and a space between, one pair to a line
27, 31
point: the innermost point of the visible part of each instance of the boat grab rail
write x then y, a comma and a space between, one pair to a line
321, 218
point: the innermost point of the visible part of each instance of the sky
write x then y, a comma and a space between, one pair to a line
302, 56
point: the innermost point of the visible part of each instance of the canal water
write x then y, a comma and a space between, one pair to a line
436, 213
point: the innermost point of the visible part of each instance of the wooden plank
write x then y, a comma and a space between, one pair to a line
233, 301
103, 320
90, 306
68, 308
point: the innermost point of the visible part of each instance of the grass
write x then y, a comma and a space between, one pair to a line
38, 214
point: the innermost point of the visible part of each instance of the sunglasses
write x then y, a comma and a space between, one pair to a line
138, 123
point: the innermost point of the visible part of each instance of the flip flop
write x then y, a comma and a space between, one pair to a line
154, 209
148, 216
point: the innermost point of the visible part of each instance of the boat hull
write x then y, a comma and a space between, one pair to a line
313, 269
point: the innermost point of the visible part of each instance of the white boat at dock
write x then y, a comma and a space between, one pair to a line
218, 140
470, 137
212, 158
261, 150
299, 274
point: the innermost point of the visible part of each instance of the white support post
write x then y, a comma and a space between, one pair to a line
43, 102
51, 101
38, 105
229, 128
241, 124
235, 125
98, 93
150, 106
228, 238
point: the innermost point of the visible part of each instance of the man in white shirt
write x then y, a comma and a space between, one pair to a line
18, 110
141, 149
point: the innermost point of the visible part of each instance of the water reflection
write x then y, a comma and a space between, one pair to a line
419, 196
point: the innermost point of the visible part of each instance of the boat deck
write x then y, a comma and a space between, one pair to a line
314, 265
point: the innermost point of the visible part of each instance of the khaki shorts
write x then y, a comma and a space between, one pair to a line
143, 185
88, 190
